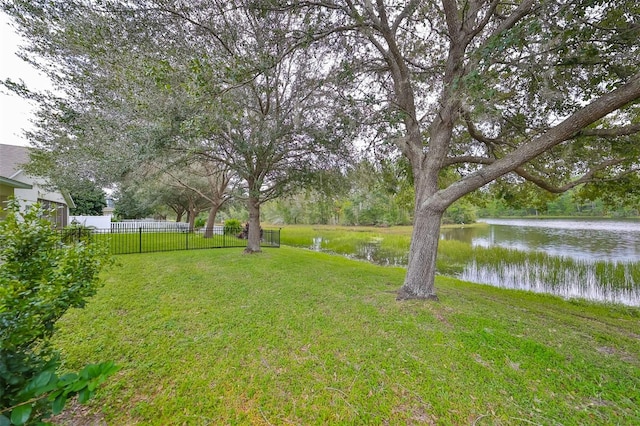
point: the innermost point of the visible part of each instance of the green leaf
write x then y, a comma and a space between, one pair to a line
84, 395
58, 404
90, 371
77, 386
67, 378
4, 421
42, 379
21, 414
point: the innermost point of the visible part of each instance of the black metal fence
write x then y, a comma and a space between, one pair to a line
154, 239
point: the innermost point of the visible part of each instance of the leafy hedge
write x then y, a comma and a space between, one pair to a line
42, 275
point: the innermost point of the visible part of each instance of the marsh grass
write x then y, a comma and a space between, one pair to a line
599, 281
292, 336
347, 240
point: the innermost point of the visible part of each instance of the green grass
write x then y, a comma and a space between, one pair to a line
291, 336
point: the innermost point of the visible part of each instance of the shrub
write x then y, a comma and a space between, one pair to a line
77, 232
42, 274
232, 227
200, 222
459, 213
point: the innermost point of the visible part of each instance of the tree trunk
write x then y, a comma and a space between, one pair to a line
211, 220
419, 283
192, 218
253, 241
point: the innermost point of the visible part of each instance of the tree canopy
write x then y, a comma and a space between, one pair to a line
88, 198
216, 79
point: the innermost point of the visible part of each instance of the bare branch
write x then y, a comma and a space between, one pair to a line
472, 32
406, 12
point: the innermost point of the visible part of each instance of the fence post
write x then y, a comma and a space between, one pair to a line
186, 242
140, 233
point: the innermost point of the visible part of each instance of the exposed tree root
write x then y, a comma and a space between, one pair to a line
405, 294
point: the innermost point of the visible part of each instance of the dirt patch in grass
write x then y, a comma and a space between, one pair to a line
76, 414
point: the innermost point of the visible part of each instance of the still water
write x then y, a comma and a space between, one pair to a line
589, 240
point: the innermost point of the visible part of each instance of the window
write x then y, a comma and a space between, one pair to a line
57, 212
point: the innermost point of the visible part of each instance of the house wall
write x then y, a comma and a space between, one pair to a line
5, 190
31, 196
12, 160
5, 193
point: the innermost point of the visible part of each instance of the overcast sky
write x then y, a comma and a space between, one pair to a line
15, 113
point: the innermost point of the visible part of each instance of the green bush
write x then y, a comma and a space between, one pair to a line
42, 274
76, 233
460, 212
200, 222
232, 227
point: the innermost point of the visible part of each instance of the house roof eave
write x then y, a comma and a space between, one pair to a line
15, 183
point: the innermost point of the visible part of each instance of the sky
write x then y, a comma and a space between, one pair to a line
15, 112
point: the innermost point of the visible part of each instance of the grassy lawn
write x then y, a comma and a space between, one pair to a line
291, 336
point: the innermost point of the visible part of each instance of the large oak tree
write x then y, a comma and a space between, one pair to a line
544, 91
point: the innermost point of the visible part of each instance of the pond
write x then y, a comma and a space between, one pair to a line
588, 239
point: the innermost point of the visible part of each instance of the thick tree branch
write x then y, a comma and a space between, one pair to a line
477, 135
453, 21
589, 176
554, 136
468, 159
613, 132
521, 11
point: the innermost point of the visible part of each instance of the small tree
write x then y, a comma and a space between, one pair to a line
40, 278
88, 197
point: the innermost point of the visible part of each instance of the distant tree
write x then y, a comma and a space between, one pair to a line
131, 204
88, 198
198, 179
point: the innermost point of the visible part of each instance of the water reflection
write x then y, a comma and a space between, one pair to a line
591, 240
373, 252
579, 282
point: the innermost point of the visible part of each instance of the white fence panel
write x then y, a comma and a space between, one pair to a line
98, 222
148, 226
